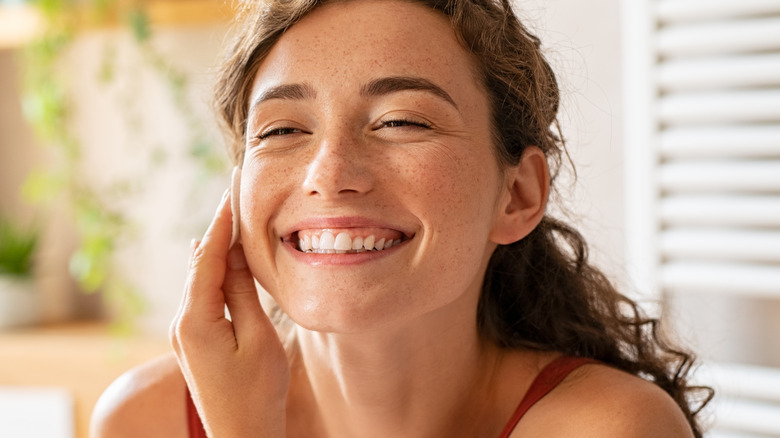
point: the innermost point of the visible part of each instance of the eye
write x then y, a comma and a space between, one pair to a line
402, 123
278, 132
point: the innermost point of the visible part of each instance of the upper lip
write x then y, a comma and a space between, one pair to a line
324, 223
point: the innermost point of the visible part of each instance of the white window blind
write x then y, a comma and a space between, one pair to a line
702, 87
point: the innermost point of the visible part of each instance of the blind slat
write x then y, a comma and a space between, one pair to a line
736, 141
721, 244
728, 36
715, 122
724, 278
748, 416
721, 176
742, 385
720, 107
720, 72
717, 433
743, 381
670, 11
704, 210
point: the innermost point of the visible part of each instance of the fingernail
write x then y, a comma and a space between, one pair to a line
193, 243
223, 200
236, 171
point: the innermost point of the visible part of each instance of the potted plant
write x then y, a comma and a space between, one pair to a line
18, 297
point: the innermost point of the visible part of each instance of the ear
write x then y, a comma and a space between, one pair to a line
524, 199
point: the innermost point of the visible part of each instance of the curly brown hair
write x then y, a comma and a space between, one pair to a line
541, 292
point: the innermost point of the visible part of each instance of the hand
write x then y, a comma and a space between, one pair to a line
236, 370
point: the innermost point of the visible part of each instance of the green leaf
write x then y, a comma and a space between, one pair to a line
88, 270
41, 186
17, 249
139, 25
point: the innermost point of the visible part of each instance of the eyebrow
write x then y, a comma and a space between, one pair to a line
392, 84
302, 91
377, 87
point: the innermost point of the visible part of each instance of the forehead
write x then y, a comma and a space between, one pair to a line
369, 38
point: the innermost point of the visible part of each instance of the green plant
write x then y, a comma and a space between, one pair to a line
17, 249
102, 227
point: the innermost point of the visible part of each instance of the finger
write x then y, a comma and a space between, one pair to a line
235, 189
194, 243
243, 302
208, 266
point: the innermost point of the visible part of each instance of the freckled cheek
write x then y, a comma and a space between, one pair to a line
451, 184
266, 184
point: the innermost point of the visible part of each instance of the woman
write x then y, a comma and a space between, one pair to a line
395, 163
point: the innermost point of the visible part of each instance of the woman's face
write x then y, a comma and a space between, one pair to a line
368, 128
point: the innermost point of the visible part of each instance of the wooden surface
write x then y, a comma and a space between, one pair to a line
81, 357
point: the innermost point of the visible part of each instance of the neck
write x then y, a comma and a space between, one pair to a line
393, 382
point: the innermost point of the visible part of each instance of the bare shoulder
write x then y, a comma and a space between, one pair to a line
148, 400
601, 401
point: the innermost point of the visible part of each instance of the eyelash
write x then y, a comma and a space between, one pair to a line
399, 123
277, 131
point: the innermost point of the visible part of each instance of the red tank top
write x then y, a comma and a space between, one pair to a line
549, 378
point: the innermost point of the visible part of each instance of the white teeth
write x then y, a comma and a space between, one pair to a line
327, 240
327, 243
342, 242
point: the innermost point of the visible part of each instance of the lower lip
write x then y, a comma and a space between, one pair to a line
346, 259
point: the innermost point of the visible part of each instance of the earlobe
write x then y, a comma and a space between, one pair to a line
524, 201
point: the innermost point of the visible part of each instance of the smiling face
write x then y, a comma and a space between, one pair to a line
370, 186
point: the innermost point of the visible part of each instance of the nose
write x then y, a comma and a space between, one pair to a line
340, 167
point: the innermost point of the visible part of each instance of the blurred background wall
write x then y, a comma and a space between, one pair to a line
136, 152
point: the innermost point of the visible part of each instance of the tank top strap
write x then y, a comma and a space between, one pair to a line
194, 424
549, 378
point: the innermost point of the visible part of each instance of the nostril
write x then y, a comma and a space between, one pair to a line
338, 173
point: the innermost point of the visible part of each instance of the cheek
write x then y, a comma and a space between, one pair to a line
266, 181
265, 187
455, 197
455, 188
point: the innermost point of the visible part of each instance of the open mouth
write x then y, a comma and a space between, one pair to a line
346, 241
